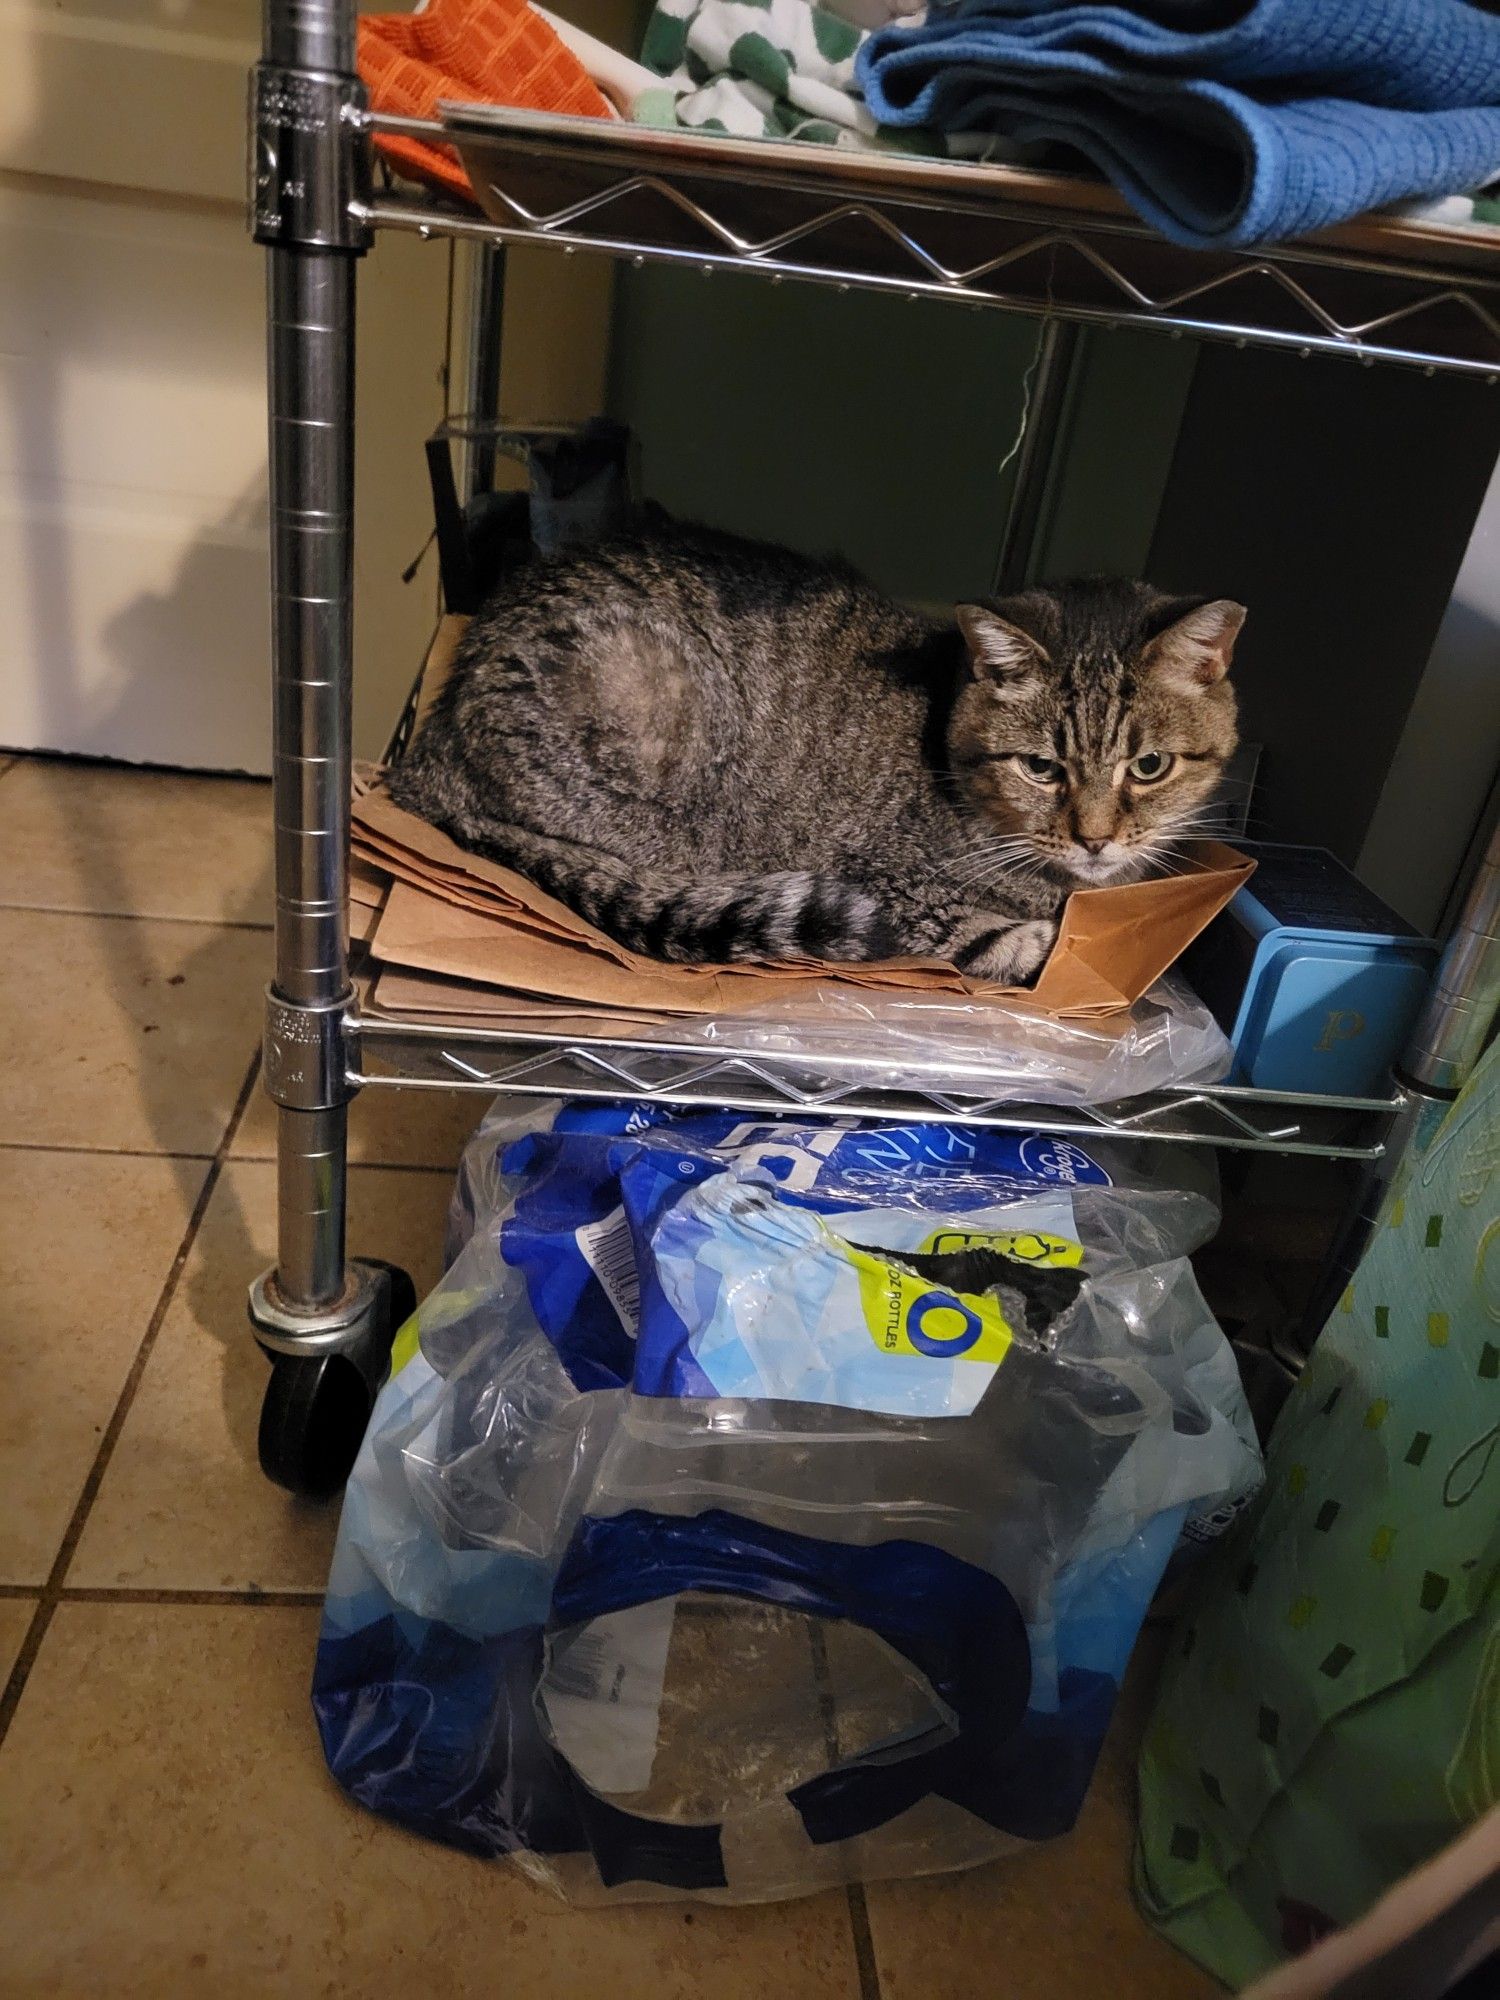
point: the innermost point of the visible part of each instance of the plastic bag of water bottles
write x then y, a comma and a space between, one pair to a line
756, 1506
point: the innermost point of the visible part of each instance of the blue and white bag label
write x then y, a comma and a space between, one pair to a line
711, 1255
753, 1296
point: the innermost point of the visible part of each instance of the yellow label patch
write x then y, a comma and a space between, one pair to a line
910, 1315
1024, 1246
406, 1343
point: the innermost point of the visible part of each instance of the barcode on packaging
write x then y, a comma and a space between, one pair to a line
609, 1253
601, 1694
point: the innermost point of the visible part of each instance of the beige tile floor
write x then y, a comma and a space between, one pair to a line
166, 1826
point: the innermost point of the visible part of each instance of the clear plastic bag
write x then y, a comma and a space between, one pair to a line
760, 1506
929, 1040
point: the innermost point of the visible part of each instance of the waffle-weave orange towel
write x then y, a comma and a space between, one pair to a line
467, 52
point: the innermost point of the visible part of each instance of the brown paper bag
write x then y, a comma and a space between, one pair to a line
453, 1003
1113, 944
419, 855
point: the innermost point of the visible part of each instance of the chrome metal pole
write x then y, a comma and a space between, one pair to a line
307, 166
482, 360
309, 34
1020, 539
311, 372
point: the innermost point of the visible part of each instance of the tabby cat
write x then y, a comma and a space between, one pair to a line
718, 750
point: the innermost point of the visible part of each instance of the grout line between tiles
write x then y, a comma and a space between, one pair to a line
358, 1166
137, 916
52, 1590
864, 1942
113, 1152
109, 1594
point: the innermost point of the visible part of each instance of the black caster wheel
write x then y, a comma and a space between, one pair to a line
317, 1406
403, 1297
311, 1423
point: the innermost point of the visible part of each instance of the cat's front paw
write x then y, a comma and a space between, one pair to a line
1012, 956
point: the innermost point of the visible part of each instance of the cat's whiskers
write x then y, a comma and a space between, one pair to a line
1008, 856
995, 843
985, 878
1199, 819
1159, 852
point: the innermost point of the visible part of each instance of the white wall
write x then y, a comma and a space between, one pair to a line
133, 569
1449, 754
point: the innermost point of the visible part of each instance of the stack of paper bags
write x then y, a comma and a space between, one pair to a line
462, 939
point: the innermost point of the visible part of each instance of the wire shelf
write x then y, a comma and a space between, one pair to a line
426, 1056
986, 236
1383, 289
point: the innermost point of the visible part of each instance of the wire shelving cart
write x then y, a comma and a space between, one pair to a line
1064, 251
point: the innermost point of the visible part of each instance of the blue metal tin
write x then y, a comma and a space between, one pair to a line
1314, 979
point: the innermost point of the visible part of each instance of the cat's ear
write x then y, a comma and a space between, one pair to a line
998, 650
1195, 650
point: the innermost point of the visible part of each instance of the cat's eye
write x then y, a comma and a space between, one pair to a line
1041, 770
1150, 766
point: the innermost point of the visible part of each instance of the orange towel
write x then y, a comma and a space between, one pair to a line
467, 52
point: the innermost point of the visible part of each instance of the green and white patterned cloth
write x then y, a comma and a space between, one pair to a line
1330, 1713
762, 69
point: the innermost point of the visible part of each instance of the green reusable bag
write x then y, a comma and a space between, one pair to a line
1330, 1711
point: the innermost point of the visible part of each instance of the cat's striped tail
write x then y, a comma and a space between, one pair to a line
716, 919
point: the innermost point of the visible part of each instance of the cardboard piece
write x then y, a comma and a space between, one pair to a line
368, 888
1116, 942
491, 927
367, 885
453, 1003
419, 855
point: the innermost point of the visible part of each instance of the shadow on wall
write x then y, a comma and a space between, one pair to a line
135, 336
176, 640
103, 686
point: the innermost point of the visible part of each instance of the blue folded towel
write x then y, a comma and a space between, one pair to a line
1221, 123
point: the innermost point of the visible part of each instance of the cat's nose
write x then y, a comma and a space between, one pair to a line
1093, 846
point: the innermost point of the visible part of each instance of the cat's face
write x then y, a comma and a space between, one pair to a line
1094, 725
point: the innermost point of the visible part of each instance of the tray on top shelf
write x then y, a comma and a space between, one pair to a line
1384, 288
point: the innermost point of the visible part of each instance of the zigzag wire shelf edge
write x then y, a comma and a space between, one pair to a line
765, 250
427, 223
422, 1056
1294, 272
